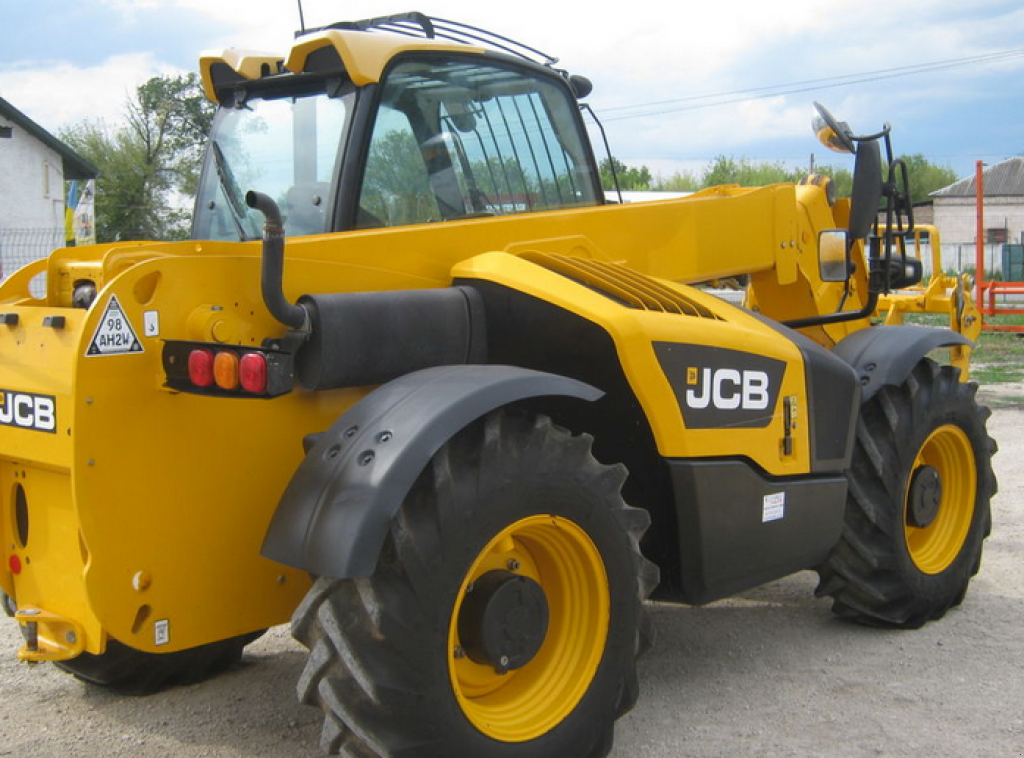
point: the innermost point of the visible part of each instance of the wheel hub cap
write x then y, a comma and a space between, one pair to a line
503, 620
925, 497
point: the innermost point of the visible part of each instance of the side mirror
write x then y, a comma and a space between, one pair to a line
834, 255
832, 133
581, 86
461, 115
867, 188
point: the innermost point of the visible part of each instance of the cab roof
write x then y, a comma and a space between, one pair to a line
362, 49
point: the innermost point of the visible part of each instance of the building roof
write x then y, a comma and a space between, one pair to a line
75, 166
1004, 179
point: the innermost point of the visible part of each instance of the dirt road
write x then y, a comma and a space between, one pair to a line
769, 673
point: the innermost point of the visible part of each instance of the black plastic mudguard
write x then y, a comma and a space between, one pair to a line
336, 511
885, 355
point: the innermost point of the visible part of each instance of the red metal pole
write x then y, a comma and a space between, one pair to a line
979, 276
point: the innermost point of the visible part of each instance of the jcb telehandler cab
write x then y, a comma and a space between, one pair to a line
457, 417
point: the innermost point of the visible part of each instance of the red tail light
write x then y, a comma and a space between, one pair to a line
221, 370
200, 367
252, 373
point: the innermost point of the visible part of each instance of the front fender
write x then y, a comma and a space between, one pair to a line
336, 511
885, 355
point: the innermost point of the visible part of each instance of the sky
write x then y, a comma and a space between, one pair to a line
676, 82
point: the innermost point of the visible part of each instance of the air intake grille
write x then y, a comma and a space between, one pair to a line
622, 284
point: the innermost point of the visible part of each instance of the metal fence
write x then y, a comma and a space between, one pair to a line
19, 247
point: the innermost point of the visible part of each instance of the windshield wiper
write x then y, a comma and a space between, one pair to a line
233, 193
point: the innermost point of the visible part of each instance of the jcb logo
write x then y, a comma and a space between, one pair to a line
720, 388
727, 389
28, 411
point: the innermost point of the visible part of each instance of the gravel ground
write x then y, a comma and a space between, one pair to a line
768, 673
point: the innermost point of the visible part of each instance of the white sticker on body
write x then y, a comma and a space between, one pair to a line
161, 632
151, 323
774, 507
114, 335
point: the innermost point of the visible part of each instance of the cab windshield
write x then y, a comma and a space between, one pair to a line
286, 147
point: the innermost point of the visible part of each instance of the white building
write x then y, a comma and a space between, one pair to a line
955, 209
33, 167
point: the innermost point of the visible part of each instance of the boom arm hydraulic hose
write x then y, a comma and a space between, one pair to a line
272, 271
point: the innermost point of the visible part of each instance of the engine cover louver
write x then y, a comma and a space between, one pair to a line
622, 284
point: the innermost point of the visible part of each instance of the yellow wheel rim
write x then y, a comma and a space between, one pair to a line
528, 702
934, 547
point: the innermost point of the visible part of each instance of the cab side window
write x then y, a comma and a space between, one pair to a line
396, 187
463, 137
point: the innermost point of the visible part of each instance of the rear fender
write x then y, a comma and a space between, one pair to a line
336, 511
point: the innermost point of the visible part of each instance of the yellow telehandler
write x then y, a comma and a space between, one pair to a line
415, 385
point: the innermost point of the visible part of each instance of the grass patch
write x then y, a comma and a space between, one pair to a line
1002, 353
926, 319
996, 374
993, 400
998, 357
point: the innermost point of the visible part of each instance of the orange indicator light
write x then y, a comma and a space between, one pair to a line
225, 370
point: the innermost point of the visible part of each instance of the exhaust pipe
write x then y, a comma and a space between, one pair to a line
272, 269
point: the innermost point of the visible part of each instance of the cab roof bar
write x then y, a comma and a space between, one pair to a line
416, 24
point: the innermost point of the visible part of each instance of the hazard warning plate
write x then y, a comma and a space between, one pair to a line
114, 335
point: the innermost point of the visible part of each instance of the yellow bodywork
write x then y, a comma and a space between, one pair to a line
155, 522
141, 513
945, 294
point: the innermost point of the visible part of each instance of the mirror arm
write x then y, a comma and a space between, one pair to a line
836, 318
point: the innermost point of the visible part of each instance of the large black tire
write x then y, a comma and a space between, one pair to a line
917, 512
391, 662
133, 672
8, 604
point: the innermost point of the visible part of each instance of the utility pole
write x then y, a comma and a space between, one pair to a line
979, 193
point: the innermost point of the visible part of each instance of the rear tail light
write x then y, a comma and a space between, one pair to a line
200, 367
252, 373
229, 370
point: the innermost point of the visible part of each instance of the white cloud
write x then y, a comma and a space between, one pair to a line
646, 51
56, 94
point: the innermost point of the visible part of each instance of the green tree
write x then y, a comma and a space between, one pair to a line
630, 177
127, 193
841, 177
926, 177
173, 117
680, 181
149, 165
396, 189
747, 173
